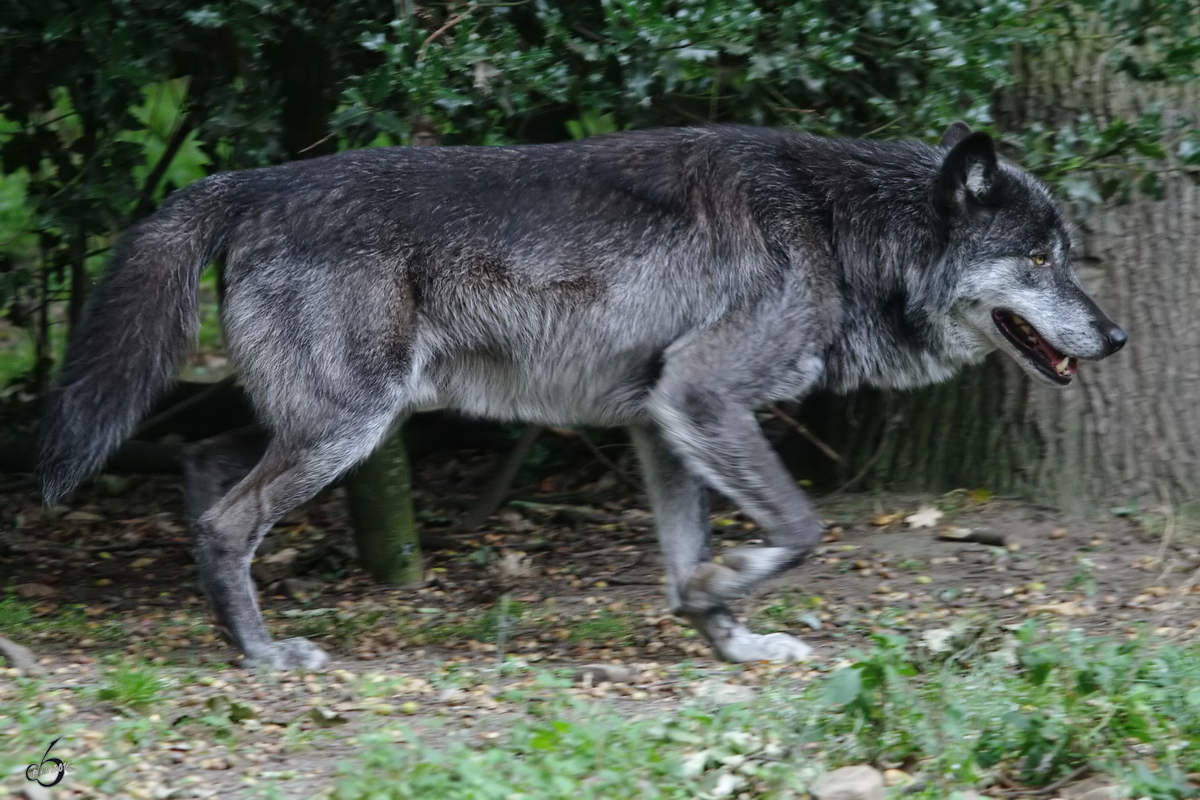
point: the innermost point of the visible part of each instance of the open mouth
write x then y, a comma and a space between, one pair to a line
1051, 363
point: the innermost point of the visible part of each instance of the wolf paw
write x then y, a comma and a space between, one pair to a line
296, 653
742, 645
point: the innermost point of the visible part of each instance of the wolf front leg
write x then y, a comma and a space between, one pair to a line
703, 406
681, 516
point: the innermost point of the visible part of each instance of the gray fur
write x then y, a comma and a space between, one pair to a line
670, 281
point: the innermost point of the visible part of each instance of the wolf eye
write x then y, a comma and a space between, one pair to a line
1039, 259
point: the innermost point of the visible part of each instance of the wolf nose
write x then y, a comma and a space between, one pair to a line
1116, 338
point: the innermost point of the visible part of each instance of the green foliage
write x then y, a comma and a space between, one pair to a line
606, 626
108, 105
1069, 702
491, 626
131, 687
14, 614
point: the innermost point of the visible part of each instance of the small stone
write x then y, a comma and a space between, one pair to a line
859, 782
723, 693
1094, 788
34, 591
283, 557
83, 516
896, 777
1058, 533
324, 717
599, 673
19, 657
299, 588
1100, 793
35, 792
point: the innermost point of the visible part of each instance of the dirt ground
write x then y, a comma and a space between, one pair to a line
555, 579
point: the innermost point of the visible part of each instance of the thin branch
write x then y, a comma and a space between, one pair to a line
450, 23
178, 137
174, 411
1050, 788
608, 462
878, 454
319, 142
500, 485
806, 433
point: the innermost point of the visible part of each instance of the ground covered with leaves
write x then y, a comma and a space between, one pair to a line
964, 643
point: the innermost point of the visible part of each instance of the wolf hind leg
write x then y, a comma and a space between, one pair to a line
295, 466
680, 513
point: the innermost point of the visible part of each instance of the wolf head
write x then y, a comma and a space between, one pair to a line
1010, 250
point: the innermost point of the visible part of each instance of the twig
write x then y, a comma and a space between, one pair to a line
1168, 534
450, 23
878, 454
178, 137
1051, 788
608, 462
806, 433
317, 143
193, 401
499, 486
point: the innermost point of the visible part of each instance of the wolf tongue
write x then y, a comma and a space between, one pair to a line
1054, 356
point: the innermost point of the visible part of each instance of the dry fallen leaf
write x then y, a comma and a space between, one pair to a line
926, 517
1066, 609
885, 519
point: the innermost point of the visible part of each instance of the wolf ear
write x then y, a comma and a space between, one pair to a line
970, 171
955, 134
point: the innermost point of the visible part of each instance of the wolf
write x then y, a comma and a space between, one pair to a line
670, 281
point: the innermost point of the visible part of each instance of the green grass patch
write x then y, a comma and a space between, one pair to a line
15, 614
446, 627
131, 687
68, 623
606, 627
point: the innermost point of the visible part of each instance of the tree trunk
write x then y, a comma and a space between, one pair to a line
972, 432
1128, 428
379, 495
1131, 430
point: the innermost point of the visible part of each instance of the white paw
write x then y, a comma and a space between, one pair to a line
742, 645
296, 653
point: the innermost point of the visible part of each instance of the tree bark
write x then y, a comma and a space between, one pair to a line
1131, 430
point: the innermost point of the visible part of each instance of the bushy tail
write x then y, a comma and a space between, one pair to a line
140, 324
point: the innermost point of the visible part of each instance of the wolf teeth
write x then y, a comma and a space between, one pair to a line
1062, 365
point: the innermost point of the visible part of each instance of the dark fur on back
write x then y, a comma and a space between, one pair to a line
670, 281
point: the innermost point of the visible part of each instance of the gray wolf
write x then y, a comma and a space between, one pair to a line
670, 281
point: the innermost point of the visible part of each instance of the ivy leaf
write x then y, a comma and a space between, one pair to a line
1153, 150
1081, 189
1151, 185
1189, 149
